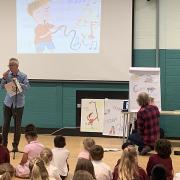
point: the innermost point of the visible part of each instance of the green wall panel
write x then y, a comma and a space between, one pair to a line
43, 105
144, 58
171, 79
170, 124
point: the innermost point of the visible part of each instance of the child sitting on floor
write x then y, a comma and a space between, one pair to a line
87, 143
47, 155
102, 170
6, 171
163, 149
60, 156
31, 151
128, 166
38, 170
86, 165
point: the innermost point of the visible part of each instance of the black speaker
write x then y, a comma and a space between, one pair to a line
125, 106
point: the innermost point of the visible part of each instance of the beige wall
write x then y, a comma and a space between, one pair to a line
145, 24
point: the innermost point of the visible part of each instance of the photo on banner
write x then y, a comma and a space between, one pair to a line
92, 115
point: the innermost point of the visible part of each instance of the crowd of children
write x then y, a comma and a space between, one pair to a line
38, 162
41, 163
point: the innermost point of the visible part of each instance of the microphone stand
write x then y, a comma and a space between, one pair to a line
15, 116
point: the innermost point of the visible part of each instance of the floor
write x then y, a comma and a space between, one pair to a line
74, 145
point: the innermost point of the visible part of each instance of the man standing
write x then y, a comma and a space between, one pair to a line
13, 105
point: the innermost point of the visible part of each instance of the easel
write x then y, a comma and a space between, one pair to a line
128, 121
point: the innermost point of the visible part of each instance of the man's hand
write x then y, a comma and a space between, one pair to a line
5, 75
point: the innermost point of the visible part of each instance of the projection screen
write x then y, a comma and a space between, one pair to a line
68, 39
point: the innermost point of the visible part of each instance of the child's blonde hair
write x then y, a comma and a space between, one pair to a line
88, 143
39, 171
46, 155
36, 4
7, 171
128, 167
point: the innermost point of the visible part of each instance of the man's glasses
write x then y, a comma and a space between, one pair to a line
10, 65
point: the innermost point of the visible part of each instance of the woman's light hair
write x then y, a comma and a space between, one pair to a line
128, 167
143, 99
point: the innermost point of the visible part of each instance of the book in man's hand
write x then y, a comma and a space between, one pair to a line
13, 87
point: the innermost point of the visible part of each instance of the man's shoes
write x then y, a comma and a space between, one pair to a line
15, 149
140, 148
145, 150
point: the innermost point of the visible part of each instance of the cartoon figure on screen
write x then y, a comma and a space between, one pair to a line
89, 38
40, 11
93, 115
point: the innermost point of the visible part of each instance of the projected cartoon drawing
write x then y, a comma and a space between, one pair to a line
39, 10
53, 26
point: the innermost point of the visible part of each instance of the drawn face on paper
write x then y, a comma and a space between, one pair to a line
42, 14
92, 116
